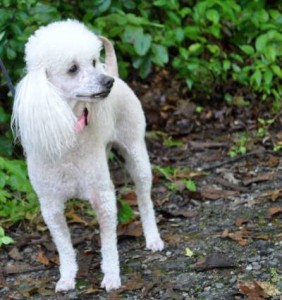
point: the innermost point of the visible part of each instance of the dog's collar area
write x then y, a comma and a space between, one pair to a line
85, 114
82, 121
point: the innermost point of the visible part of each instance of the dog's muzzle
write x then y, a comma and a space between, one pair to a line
106, 83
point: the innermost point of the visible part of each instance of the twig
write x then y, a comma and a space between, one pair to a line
234, 159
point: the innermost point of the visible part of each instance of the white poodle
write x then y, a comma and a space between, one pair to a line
68, 109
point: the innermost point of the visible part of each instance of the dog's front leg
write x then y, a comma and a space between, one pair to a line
53, 215
104, 203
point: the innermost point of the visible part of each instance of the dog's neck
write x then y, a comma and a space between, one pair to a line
83, 120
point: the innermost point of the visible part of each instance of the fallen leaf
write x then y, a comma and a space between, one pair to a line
130, 198
276, 194
239, 236
133, 229
257, 290
134, 284
214, 261
15, 254
261, 236
188, 252
179, 213
269, 288
259, 178
84, 263
74, 218
252, 290
42, 258
2, 280
22, 268
240, 221
92, 290
173, 239
274, 211
214, 194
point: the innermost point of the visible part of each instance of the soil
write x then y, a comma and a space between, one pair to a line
222, 241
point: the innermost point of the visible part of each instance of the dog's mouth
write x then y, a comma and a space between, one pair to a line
103, 94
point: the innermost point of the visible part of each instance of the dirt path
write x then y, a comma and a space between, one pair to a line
223, 241
219, 239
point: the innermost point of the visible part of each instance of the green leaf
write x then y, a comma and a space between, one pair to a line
130, 33
2, 180
196, 48
11, 54
142, 43
189, 83
2, 232
4, 195
256, 78
214, 49
261, 16
179, 34
190, 185
160, 54
2, 34
184, 53
125, 212
249, 50
226, 65
268, 75
277, 71
6, 240
213, 15
271, 53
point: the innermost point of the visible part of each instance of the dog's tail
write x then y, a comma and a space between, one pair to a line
110, 59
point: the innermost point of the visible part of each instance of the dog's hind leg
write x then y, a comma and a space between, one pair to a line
53, 215
139, 168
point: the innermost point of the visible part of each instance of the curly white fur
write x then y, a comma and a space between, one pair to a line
65, 88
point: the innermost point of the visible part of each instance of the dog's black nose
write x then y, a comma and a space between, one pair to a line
108, 82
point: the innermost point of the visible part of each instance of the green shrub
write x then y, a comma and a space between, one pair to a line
211, 45
17, 199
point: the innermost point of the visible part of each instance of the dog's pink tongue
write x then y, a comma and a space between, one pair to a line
82, 122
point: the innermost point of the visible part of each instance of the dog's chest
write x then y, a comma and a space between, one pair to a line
73, 178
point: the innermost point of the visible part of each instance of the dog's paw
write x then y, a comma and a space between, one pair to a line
155, 244
111, 282
64, 285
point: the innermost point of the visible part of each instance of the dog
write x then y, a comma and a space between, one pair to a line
69, 109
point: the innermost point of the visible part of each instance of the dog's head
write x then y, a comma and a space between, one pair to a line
69, 54
63, 67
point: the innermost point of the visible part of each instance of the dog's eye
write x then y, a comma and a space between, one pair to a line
94, 63
73, 69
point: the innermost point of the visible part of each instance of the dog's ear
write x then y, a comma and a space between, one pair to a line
110, 58
41, 118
